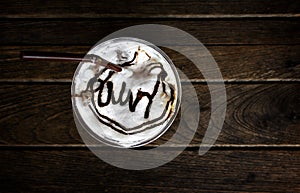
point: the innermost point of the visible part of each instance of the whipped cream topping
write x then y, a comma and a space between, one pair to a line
132, 107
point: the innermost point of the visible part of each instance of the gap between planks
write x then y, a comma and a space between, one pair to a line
193, 147
150, 16
200, 81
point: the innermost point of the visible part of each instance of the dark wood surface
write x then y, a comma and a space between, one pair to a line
259, 62
147, 9
256, 114
256, 45
90, 31
78, 170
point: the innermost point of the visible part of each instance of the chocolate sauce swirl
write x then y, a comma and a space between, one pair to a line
103, 94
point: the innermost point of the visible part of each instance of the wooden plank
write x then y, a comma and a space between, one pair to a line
140, 8
38, 114
217, 171
208, 31
235, 62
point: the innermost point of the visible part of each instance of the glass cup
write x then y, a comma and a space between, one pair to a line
130, 108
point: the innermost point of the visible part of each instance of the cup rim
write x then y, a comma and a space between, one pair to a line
102, 140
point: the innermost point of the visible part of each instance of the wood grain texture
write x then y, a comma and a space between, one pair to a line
216, 171
37, 114
141, 8
253, 41
235, 62
208, 31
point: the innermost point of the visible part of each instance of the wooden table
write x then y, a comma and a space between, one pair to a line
256, 45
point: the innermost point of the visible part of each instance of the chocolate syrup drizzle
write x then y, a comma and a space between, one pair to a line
129, 99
